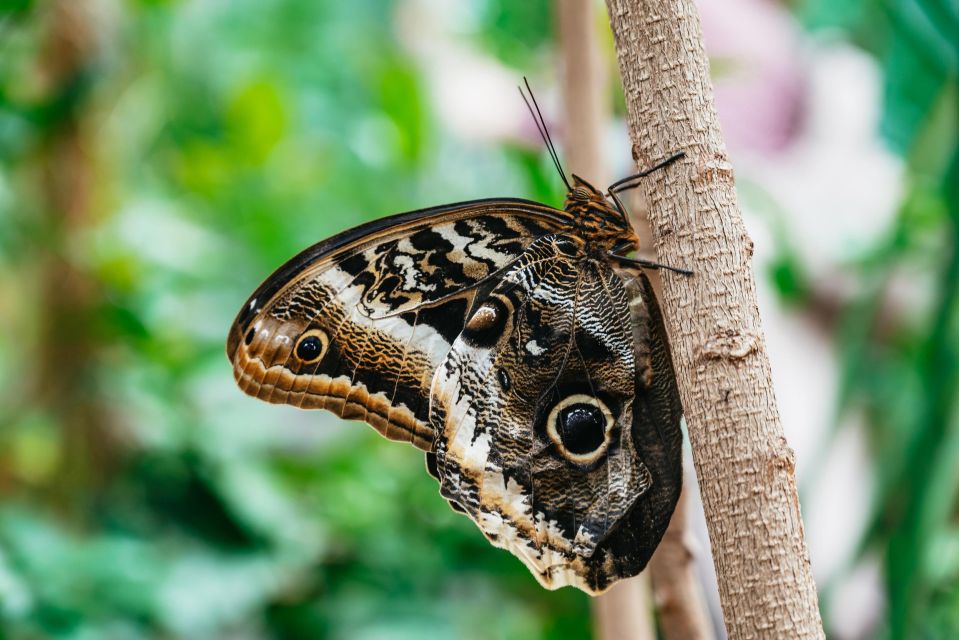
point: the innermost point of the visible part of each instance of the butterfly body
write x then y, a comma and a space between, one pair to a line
505, 339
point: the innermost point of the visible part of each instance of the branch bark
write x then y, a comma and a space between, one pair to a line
745, 467
676, 593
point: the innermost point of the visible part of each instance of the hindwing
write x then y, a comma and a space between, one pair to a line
557, 417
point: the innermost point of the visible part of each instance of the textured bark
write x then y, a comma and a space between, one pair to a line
677, 594
746, 469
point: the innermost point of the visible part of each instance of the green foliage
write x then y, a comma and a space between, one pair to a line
915, 40
907, 379
224, 138
516, 32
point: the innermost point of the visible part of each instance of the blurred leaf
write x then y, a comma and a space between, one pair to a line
218, 140
916, 42
788, 278
256, 119
10, 8
401, 99
920, 64
516, 32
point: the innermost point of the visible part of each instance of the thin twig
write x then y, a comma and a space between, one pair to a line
625, 611
680, 606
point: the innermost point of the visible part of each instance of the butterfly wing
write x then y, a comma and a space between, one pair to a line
358, 323
558, 417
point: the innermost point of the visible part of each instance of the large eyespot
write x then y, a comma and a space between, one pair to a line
486, 324
579, 426
311, 346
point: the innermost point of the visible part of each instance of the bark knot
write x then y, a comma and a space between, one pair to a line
748, 245
730, 344
782, 457
714, 168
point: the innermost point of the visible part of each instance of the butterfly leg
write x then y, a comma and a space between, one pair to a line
649, 264
619, 206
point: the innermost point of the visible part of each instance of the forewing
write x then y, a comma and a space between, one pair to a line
542, 408
357, 324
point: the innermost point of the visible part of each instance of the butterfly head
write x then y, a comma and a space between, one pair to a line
599, 218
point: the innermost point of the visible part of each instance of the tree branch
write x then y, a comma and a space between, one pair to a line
746, 469
624, 612
585, 86
67, 352
676, 593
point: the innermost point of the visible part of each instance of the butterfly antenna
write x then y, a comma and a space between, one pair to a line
543, 131
632, 181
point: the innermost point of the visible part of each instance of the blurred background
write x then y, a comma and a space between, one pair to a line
159, 158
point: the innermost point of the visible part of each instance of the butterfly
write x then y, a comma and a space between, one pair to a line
515, 344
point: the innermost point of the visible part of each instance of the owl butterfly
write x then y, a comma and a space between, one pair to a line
512, 342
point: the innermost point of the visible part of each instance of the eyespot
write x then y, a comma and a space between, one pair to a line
579, 426
487, 323
311, 346
503, 378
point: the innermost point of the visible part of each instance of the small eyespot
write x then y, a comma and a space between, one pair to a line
579, 426
503, 378
311, 346
487, 323
247, 312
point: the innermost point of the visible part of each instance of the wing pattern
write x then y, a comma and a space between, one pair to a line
554, 456
535, 375
381, 306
